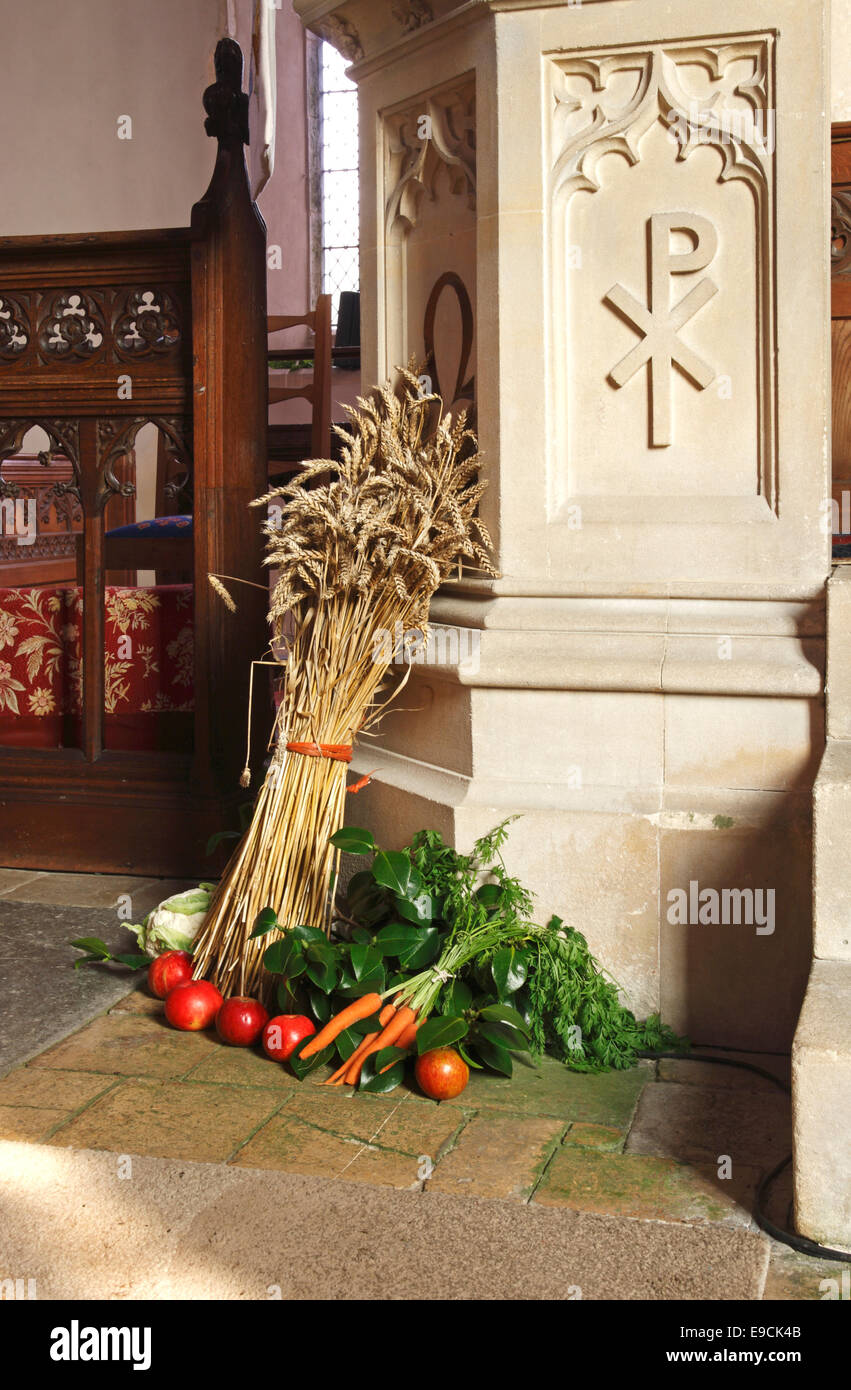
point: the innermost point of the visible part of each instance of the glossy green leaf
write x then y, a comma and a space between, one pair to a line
366, 902
265, 921
370, 983
440, 1031
282, 957
371, 1078
310, 935
419, 910
508, 968
493, 1056
422, 951
502, 1035
462, 1052
320, 950
362, 935
320, 1005
489, 894
323, 973
352, 840
94, 945
396, 937
134, 962
503, 1013
284, 995
456, 998
395, 871
365, 960
346, 1042
89, 960
300, 1068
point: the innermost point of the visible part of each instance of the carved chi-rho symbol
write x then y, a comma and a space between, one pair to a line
661, 346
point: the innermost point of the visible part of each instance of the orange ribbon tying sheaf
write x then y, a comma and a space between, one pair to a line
337, 752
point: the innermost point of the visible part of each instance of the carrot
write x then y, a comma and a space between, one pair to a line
340, 1073
352, 1013
383, 1018
404, 1041
407, 1038
386, 1038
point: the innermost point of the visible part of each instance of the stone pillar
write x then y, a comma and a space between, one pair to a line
606, 225
821, 1056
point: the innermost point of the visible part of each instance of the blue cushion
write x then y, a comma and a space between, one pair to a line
158, 526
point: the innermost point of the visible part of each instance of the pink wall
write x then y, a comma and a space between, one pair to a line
70, 70
284, 200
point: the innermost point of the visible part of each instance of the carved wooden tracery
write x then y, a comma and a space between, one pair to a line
111, 323
840, 233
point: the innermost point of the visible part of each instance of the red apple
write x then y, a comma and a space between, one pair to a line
282, 1035
441, 1073
240, 1021
193, 1005
168, 970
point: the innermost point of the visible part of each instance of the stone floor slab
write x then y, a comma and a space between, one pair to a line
171, 1120
603, 1137
549, 1089
65, 1090
700, 1123
243, 1066
129, 1045
200, 1231
649, 1188
716, 1072
28, 1122
140, 1002
44, 997
17, 878
792, 1275
497, 1155
290, 1145
388, 1122
136, 896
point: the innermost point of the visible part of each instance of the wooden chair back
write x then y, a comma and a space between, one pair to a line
317, 391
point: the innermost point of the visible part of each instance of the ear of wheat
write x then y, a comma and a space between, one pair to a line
358, 554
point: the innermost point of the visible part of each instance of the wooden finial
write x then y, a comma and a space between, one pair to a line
225, 102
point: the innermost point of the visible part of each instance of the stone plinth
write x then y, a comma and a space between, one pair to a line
821, 1074
603, 226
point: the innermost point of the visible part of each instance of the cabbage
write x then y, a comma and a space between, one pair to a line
174, 925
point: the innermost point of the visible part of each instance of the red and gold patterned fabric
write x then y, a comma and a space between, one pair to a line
148, 670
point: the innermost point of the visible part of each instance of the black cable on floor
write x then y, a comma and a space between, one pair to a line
796, 1242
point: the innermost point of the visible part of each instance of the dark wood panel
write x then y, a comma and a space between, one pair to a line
841, 336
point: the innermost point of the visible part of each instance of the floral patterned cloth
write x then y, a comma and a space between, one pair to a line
148, 653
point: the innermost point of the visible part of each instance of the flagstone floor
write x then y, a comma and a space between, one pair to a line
667, 1142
